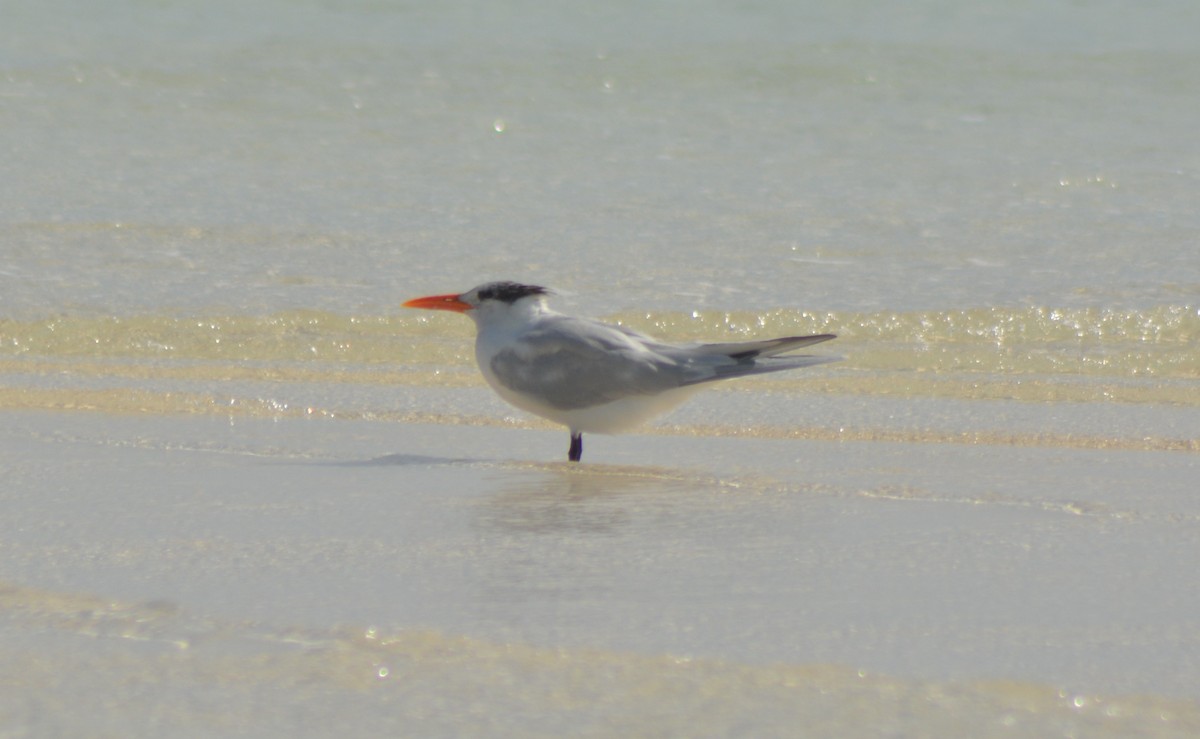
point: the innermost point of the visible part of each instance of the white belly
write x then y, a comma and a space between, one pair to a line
609, 418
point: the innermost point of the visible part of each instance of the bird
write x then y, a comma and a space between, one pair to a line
595, 377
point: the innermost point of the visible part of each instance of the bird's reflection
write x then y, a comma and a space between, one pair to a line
598, 499
552, 533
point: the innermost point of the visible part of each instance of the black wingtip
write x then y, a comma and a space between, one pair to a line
797, 341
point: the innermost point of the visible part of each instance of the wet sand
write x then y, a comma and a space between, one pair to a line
242, 576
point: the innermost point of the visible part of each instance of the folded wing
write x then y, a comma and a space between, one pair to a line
573, 363
738, 359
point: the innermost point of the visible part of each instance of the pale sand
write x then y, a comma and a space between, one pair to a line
193, 575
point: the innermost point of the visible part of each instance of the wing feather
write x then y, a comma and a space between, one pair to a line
571, 363
764, 348
585, 365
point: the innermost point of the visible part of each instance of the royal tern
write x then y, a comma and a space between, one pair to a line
596, 377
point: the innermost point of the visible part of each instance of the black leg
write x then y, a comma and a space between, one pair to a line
576, 451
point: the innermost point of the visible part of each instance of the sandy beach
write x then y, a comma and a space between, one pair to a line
307, 575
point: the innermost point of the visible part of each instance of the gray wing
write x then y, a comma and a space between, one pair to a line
709, 362
763, 348
575, 363
757, 367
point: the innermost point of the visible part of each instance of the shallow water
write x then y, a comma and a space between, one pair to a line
1127, 378
309, 575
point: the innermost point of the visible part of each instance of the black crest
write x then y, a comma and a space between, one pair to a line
509, 292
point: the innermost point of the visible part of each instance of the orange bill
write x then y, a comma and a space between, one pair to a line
439, 302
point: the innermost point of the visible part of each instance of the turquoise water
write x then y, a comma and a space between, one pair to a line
228, 157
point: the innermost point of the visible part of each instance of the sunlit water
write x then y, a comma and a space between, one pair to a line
216, 210
966, 197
